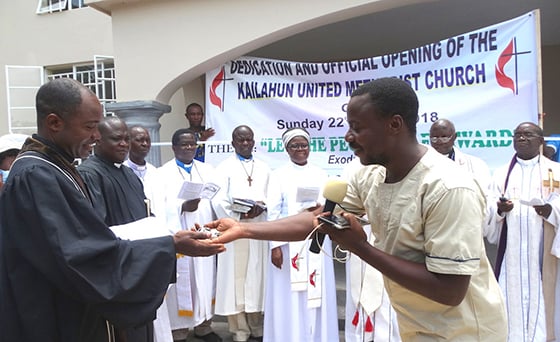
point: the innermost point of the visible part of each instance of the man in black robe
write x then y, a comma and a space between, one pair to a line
64, 276
117, 194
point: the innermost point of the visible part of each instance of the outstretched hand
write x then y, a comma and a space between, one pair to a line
195, 244
229, 229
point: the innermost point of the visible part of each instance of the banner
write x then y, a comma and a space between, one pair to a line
484, 81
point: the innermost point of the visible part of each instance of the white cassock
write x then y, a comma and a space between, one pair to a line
241, 290
529, 255
141, 171
190, 300
291, 313
477, 167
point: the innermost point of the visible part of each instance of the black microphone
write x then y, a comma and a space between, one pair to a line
333, 192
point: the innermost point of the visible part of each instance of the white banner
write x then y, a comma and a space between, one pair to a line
484, 81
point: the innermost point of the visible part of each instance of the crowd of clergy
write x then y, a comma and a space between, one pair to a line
280, 291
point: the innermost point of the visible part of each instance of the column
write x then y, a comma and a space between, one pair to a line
145, 114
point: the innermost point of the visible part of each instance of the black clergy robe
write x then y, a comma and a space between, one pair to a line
63, 273
118, 195
116, 192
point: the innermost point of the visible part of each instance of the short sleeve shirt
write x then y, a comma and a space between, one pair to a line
434, 216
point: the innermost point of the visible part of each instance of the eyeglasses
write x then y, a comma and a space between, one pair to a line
295, 147
526, 135
442, 139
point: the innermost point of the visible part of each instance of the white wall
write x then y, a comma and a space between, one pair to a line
29, 39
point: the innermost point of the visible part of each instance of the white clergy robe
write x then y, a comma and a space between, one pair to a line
477, 167
190, 300
142, 171
241, 291
528, 262
288, 316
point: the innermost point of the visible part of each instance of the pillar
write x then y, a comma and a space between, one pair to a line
145, 114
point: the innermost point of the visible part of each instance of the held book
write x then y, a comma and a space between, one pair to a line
192, 190
241, 205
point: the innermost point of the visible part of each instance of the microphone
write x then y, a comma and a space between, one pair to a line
333, 192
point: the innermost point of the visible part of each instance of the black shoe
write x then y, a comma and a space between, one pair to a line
255, 339
211, 337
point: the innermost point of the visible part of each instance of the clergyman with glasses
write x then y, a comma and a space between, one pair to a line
442, 138
525, 219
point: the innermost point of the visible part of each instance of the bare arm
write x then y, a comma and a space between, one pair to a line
292, 228
442, 288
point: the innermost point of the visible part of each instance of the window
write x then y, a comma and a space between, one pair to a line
51, 6
22, 85
24, 81
99, 77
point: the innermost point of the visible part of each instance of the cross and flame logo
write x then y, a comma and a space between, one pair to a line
218, 80
509, 53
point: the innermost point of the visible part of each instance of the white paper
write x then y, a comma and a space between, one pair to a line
146, 228
307, 194
192, 190
532, 201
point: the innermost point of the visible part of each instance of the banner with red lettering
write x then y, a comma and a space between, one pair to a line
484, 81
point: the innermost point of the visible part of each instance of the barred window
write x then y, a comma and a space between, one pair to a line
51, 6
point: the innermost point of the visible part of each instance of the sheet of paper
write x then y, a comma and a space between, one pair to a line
209, 190
532, 201
190, 190
307, 194
146, 228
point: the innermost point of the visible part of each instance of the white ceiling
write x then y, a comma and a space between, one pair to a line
408, 27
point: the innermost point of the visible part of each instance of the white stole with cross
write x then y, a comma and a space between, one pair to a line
183, 286
366, 288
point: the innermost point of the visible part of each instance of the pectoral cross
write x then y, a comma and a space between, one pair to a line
249, 179
550, 182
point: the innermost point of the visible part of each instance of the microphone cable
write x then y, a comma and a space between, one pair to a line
343, 259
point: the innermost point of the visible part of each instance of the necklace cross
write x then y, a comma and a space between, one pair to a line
249, 175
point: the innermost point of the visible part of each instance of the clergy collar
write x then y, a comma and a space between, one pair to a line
50, 144
297, 166
135, 166
186, 167
243, 158
528, 162
117, 165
